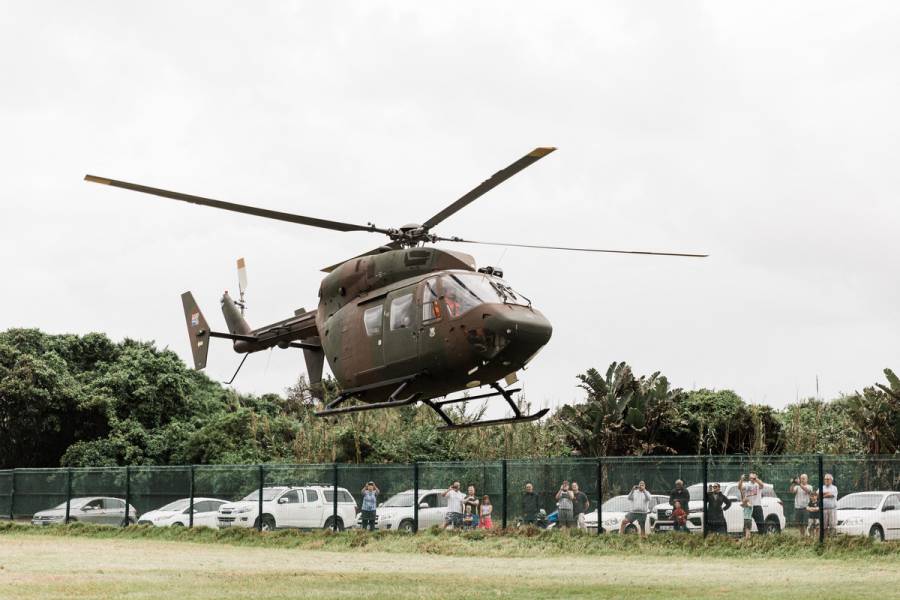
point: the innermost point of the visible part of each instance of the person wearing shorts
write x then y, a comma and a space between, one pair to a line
565, 504
454, 518
640, 507
801, 489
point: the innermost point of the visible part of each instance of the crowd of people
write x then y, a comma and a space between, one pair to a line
469, 511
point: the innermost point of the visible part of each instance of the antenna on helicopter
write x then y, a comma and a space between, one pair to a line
242, 283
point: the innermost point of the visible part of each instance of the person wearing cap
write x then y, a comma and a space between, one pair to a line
369, 502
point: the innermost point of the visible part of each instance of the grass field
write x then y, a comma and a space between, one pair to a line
87, 562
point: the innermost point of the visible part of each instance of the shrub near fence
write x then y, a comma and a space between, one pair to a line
24, 492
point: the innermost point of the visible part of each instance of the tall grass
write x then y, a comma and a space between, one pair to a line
510, 543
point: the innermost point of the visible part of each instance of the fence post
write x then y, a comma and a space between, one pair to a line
12, 496
334, 500
504, 489
599, 496
191, 493
705, 487
68, 493
416, 497
821, 500
262, 483
127, 495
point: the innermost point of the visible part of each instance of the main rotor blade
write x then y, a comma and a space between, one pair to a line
488, 184
241, 208
456, 239
378, 250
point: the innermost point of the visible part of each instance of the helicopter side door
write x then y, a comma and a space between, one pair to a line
399, 328
432, 352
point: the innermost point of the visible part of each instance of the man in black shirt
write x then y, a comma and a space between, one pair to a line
580, 505
530, 505
681, 494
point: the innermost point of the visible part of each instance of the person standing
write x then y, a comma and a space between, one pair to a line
530, 505
829, 504
580, 505
486, 510
747, 513
801, 490
369, 502
454, 518
640, 507
679, 517
565, 504
752, 489
716, 505
680, 494
470, 505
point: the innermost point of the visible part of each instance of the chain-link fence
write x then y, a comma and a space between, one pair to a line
731, 495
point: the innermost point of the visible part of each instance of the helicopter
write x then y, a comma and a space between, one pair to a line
402, 324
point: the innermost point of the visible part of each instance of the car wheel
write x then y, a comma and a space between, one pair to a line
877, 533
772, 525
177, 524
268, 523
631, 529
406, 526
329, 523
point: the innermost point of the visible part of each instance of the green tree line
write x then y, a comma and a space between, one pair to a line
70, 400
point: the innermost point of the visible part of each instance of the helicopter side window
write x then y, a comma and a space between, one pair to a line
402, 312
372, 319
431, 309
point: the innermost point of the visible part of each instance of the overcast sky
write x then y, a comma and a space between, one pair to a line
766, 134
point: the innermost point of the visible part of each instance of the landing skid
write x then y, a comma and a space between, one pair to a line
396, 400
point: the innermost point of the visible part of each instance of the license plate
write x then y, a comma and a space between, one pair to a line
665, 527
225, 524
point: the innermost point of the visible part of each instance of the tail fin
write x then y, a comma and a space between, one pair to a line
198, 330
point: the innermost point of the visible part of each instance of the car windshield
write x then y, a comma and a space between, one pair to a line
617, 504
860, 502
696, 491
175, 506
403, 499
268, 494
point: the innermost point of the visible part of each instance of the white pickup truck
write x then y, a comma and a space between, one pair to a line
302, 507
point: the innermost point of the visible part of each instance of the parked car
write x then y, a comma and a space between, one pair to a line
876, 514
178, 513
304, 507
397, 513
90, 509
614, 511
773, 510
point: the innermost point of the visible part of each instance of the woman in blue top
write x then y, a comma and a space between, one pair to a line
369, 502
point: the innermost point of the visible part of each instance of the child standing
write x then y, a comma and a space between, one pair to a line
813, 510
679, 517
486, 509
747, 510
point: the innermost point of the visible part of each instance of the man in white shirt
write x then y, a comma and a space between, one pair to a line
801, 490
752, 489
829, 504
455, 500
640, 506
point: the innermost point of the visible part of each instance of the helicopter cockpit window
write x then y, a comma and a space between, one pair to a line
372, 319
402, 312
431, 309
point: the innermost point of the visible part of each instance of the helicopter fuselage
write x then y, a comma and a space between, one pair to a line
427, 316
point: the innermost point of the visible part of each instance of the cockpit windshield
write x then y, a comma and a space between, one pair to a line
464, 291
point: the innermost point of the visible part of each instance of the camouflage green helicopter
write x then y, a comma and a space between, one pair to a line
401, 324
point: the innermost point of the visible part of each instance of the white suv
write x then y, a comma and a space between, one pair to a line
773, 510
304, 507
397, 512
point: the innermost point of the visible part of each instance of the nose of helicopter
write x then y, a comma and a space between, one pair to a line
524, 331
